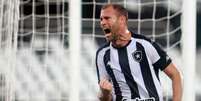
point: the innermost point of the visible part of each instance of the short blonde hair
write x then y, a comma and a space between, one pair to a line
120, 9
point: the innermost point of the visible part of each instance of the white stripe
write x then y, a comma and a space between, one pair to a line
100, 63
150, 50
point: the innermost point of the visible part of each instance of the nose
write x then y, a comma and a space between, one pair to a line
103, 24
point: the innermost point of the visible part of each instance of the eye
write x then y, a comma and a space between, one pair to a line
101, 19
106, 18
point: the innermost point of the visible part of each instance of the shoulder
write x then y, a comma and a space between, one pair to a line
103, 47
145, 41
141, 37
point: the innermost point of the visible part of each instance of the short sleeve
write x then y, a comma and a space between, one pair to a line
159, 58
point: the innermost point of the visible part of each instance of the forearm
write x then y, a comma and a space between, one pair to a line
175, 76
177, 87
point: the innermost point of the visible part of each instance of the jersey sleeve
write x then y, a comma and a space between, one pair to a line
159, 58
100, 67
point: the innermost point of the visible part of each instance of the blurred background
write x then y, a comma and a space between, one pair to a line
35, 55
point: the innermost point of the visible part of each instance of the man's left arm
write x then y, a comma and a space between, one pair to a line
174, 74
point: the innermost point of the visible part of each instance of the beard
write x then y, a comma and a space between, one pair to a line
110, 36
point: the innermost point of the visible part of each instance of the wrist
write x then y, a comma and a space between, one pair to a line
105, 97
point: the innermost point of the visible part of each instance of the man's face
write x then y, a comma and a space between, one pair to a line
109, 20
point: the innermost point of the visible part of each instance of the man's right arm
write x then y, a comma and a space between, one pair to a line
103, 77
106, 90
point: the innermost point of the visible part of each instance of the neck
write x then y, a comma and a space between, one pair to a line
123, 39
119, 44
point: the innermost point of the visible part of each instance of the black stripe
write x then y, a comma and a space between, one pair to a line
161, 64
117, 90
146, 73
125, 67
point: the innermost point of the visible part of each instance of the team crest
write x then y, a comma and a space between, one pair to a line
137, 55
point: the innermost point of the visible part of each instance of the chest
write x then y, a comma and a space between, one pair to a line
126, 61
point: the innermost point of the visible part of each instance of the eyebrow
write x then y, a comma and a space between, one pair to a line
105, 17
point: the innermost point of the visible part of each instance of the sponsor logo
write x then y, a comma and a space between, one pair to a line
138, 99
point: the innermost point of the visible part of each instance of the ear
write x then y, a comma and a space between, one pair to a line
122, 19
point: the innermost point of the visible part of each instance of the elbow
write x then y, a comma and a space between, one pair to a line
176, 76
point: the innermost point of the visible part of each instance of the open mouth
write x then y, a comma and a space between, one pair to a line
107, 30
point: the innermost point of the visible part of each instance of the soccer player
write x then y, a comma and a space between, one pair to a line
128, 64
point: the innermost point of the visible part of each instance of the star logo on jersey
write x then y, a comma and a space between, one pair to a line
137, 55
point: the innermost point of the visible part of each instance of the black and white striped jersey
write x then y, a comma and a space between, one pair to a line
133, 69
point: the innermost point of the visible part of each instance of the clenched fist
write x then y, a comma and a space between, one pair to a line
106, 90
